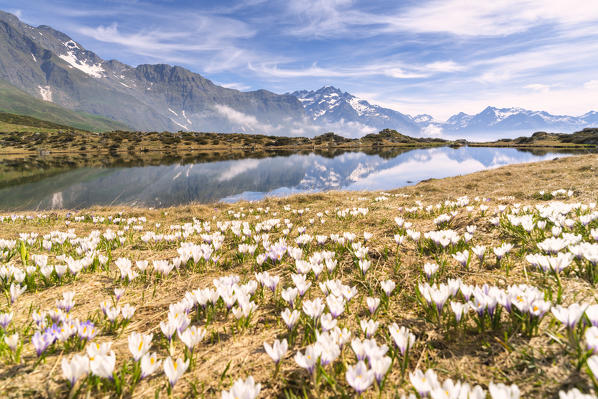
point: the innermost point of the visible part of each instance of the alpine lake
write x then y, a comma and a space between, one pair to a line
45, 182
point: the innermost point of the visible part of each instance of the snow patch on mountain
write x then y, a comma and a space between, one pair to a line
45, 92
179, 124
362, 107
423, 119
93, 70
504, 113
187, 119
71, 45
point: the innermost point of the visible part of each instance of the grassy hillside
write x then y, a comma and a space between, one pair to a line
23, 123
15, 101
587, 137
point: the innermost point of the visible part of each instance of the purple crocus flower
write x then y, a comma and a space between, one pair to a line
41, 341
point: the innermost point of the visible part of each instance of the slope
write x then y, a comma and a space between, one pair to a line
15, 101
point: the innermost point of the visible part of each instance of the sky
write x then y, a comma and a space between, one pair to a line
434, 57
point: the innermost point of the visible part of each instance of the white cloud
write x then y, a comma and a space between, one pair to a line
496, 18
319, 18
494, 76
313, 71
539, 87
157, 40
212, 42
338, 18
432, 130
17, 12
305, 128
248, 122
591, 84
397, 73
349, 129
444, 66
388, 69
235, 85
238, 168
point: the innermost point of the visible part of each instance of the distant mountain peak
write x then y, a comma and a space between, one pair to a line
330, 104
423, 118
512, 119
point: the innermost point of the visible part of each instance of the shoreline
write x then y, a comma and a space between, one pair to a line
138, 143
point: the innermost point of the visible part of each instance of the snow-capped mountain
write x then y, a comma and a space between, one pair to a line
329, 105
495, 120
423, 119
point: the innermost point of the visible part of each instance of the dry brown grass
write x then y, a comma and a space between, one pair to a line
539, 366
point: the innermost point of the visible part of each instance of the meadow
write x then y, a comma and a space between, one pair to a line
476, 286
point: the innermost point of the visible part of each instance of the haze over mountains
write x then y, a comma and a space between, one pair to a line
49, 65
330, 104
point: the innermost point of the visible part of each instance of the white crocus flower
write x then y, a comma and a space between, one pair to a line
309, 359
369, 327
175, 369
12, 341
402, 337
15, 291
569, 316
424, 382
313, 308
127, 311
430, 270
192, 336
502, 391
359, 377
75, 368
372, 304
149, 364
277, 350
388, 286
102, 365
139, 344
289, 295
290, 318
243, 389
168, 328
327, 322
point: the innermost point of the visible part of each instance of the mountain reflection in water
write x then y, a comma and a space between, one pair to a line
251, 178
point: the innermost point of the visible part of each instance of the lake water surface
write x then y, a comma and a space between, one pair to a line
252, 179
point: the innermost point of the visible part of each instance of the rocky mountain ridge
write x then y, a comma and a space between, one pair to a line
50, 65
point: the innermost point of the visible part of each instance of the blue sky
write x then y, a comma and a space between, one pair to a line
436, 57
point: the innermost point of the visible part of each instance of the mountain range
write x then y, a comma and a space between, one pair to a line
330, 104
42, 67
48, 64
